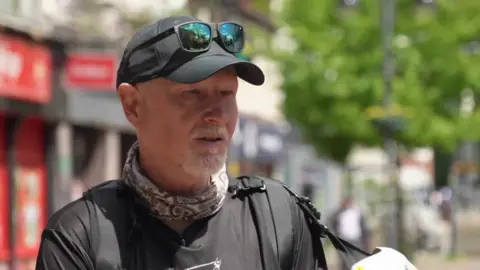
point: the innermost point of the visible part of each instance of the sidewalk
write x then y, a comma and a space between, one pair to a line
427, 262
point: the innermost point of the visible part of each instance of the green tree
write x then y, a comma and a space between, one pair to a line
333, 77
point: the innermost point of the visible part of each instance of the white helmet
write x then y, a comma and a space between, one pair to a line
384, 258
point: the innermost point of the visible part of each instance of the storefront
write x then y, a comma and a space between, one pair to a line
29, 173
25, 89
309, 175
257, 148
4, 195
95, 113
318, 178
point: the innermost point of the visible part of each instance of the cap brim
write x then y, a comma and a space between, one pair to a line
202, 67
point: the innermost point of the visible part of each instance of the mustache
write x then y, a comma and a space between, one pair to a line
211, 131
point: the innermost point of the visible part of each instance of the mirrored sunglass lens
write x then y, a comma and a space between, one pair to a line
195, 36
232, 36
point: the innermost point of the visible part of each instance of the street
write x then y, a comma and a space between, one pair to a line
434, 262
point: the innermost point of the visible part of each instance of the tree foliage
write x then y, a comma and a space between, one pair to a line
334, 76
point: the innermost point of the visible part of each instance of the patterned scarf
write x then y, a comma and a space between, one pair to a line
168, 207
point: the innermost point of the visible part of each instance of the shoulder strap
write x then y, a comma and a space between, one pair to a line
262, 222
274, 227
348, 251
281, 225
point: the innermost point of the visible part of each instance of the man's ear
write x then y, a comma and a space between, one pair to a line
130, 98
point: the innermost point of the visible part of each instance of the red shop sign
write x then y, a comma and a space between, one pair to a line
25, 70
90, 70
30, 188
4, 196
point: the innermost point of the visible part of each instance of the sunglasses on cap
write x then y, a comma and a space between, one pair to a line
197, 37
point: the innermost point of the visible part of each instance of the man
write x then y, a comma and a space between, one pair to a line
348, 222
177, 84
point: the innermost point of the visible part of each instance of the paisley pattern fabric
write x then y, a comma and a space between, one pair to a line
168, 207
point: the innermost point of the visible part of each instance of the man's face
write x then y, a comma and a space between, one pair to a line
184, 125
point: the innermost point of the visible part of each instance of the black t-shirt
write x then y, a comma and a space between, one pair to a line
227, 240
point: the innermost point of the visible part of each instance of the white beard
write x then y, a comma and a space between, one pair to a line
205, 165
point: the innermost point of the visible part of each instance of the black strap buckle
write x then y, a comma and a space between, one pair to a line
245, 187
309, 208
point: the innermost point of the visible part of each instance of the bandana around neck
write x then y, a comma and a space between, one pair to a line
169, 207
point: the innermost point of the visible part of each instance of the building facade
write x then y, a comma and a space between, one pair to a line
30, 60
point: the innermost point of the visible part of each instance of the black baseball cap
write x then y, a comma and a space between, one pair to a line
166, 59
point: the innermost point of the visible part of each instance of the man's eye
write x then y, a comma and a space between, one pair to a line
226, 92
193, 92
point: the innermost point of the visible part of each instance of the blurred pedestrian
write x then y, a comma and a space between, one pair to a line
349, 223
446, 215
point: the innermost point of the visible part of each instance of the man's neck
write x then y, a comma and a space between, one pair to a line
175, 183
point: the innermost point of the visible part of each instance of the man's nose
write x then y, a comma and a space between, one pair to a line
215, 119
215, 115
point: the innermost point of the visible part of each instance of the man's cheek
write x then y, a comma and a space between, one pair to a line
231, 126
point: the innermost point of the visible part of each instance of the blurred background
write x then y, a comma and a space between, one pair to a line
364, 99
